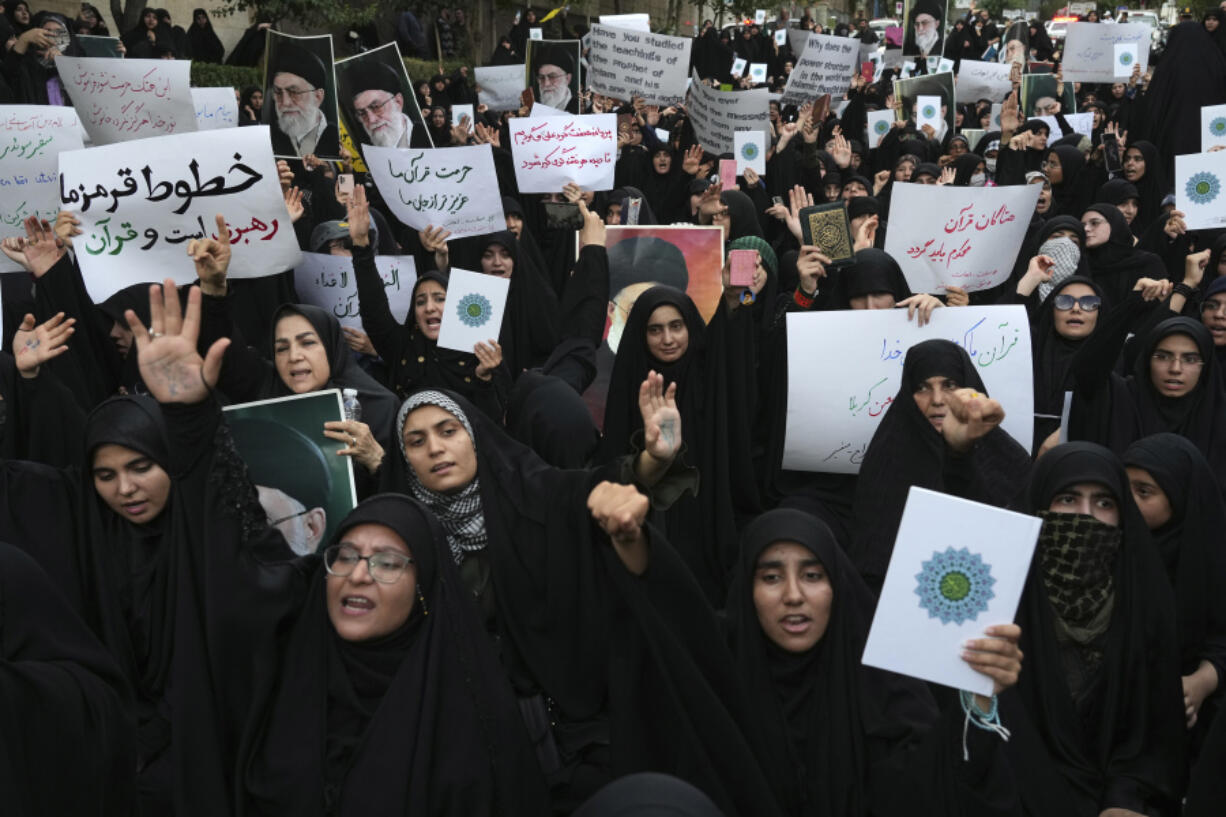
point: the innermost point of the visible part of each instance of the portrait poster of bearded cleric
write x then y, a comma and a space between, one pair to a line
553, 73
300, 97
377, 102
924, 30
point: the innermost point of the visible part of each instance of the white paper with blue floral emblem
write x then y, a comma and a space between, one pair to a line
473, 313
1200, 189
958, 567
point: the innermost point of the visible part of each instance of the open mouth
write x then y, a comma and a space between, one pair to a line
136, 508
795, 624
356, 605
442, 468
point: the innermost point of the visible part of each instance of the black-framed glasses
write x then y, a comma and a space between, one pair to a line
1088, 303
386, 567
373, 109
1213, 306
1187, 358
291, 93
272, 523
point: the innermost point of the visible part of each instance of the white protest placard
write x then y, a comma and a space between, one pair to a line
759, 17
879, 124
958, 236
1082, 123
757, 72
717, 115
942, 589
781, 37
826, 66
31, 140
928, 112
1198, 189
625, 63
983, 80
119, 100
327, 281
458, 112
499, 86
536, 34
750, 151
440, 187
863, 354
996, 109
739, 64
475, 306
139, 203
551, 152
1089, 50
1212, 126
662, 135
634, 22
943, 65
538, 110
1125, 59
215, 108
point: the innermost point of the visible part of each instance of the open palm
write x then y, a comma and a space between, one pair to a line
170, 366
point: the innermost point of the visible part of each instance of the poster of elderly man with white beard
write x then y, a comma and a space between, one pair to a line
377, 102
300, 97
925, 28
553, 73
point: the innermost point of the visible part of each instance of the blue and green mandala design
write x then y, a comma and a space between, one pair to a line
955, 585
1203, 187
474, 310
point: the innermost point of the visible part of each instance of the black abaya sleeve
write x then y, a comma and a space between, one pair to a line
1091, 416
386, 333
68, 742
245, 376
90, 364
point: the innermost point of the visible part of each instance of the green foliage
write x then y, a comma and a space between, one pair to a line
323, 14
996, 7
424, 69
205, 75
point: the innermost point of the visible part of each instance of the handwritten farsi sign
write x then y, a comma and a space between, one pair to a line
119, 100
958, 236
825, 67
215, 108
455, 188
624, 64
717, 115
327, 281
140, 203
1089, 50
861, 351
549, 152
499, 86
31, 139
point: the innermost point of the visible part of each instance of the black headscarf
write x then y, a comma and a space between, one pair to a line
420, 721
966, 166
1189, 544
68, 745
10, 12
203, 43
742, 215
875, 271
1117, 265
1070, 196
1053, 358
823, 717
1152, 187
907, 451
1120, 742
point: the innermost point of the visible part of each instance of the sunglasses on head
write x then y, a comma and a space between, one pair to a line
1088, 303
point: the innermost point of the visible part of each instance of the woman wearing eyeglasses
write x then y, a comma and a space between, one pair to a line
1115, 263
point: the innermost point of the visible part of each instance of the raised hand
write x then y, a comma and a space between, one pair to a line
661, 419
212, 259
35, 345
692, 162
358, 217
971, 415
359, 442
358, 341
593, 231
866, 233
621, 510
921, 305
170, 366
285, 174
67, 226
996, 656
840, 149
1010, 117
489, 358
38, 251
293, 204
810, 268
1152, 290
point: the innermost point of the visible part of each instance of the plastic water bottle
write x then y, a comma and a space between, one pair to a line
353, 409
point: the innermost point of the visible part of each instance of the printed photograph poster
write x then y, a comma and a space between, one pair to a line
300, 96
910, 90
1044, 95
305, 487
923, 28
1212, 126
1198, 189
553, 73
872, 346
689, 258
377, 102
1017, 43
476, 305
327, 281
945, 585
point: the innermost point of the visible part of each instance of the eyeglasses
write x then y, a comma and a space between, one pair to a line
1088, 303
385, 567
549, 79
1213, 307
291, 93
373, 109
1188, 358
272, 523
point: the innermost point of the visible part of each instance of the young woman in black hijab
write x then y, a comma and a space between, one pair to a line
1096, 720
1065, 166
202, 41
1143, 168
143, 39
68, 745
30, 66
1115, 263
1176, 492
941, 432
617, 667
837, 737
388, 697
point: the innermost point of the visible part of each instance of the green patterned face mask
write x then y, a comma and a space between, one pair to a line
1077, 555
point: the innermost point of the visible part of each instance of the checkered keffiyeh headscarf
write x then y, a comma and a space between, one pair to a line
1066, 255
461, 515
